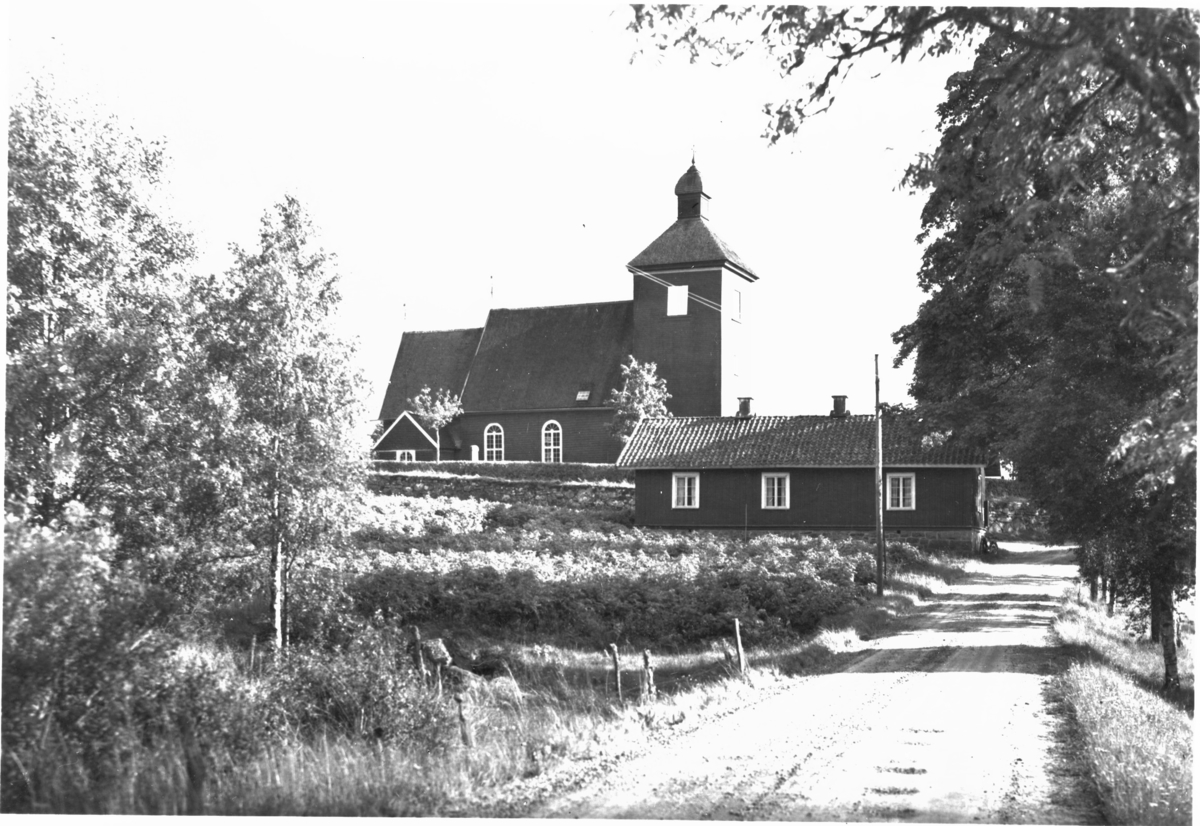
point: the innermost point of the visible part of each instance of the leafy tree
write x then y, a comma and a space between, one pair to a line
1060, 323
278, 458
642, 394
437, 410
96, 279
1026, 342
1055, 80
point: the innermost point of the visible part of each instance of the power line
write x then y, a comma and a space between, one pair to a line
699, 299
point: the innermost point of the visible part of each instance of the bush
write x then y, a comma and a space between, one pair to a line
550, 472
367, 689
590, 587
92, 674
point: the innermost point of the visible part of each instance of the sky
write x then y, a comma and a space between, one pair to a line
457, 158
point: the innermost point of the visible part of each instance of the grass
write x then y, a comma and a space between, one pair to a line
1137, 742
345, 728
560, 713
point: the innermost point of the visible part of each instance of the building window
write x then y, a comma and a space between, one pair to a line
901, 491
552, 442
775, 491
493, 443
685, 490
677, 300
406, 456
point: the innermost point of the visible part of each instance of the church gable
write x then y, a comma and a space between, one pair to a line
406, 433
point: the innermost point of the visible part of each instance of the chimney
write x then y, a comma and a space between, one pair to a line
839, 408
744, 407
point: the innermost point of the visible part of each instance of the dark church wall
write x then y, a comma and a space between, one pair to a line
585, 438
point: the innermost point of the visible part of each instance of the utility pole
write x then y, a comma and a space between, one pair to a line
880, 565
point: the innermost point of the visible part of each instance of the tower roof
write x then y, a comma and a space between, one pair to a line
690, 241
690, 182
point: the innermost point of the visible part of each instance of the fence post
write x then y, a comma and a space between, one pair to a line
649, 692
468, 739
419, 657
612, 647
195, 766
737, 633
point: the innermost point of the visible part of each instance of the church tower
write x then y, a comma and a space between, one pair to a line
690, 306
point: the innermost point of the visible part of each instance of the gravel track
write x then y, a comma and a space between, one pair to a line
949, 720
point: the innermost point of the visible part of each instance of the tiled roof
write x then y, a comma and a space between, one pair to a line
689, 241
541, 357
780, 441
438, 360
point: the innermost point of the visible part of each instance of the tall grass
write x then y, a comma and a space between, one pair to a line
112, 703
1138, 744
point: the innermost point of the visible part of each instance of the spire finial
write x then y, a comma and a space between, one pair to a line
693, 154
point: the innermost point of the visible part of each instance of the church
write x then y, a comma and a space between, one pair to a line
534, 382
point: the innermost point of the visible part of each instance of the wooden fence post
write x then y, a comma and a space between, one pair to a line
649, 692
612, 647
737, 633
419, 657
195, 766
468, 739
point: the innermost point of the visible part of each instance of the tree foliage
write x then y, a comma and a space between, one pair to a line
437, 410
1061, 229
96, 279
1067, 106
643, 393
279, 451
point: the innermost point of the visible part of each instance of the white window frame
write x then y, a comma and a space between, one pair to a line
677, 299
676, 478
406, 456
787, 491
892, 479
549, 451
493, 454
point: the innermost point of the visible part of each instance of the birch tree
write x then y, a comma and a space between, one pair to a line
95, 339
283, 450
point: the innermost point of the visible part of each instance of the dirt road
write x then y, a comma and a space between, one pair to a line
948, 721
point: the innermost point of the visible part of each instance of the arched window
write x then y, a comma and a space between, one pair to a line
552, 442
493, 443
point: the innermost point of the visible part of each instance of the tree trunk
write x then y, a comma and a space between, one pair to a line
1166, 610
1112, 596
276, 577
1155, 614
1093, 588
277, 596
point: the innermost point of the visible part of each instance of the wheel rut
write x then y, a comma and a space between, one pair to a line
945, 721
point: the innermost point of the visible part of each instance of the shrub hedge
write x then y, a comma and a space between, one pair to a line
525, 471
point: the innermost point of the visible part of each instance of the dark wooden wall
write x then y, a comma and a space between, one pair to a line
821, 499
687, 348
586, 437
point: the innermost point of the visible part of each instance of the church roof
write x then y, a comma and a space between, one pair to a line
540, 358
439, 359
690, 241
782, 441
